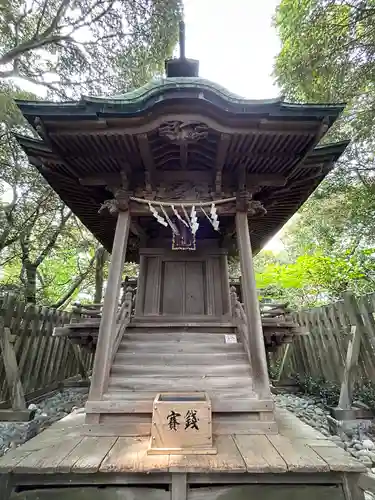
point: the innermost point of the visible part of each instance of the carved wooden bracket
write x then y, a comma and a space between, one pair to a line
245, 203
179, 132
120, 202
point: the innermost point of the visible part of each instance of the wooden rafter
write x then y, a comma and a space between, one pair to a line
220, 160
184, 153
148, 160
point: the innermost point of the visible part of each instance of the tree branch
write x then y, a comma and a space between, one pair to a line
44, 253
75, 284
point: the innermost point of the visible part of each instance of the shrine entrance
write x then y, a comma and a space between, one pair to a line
178, 284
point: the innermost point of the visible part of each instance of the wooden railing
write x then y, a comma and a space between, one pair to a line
123, 319
239, 316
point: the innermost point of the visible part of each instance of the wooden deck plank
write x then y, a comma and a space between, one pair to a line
259, 454
293, 428
337, 459
47, 459
11, 459
297, 455
228, 459
87, 456
62, 448
129, 454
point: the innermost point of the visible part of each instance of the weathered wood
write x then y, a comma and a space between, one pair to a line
108, 321
11, 369
180, 383
16, 415
367, 482
179, 487
141, 402
347, 386
129, 454
228, 459
298, 456
6, 486
254, 322
283, 362
47, 459
259, 454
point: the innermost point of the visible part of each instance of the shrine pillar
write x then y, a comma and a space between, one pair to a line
107, 329
251, 306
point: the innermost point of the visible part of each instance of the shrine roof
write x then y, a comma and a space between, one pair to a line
163, 90
181, 134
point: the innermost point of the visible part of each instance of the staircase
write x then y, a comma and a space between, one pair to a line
168, 357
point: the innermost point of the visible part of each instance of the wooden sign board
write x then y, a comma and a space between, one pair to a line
181, 424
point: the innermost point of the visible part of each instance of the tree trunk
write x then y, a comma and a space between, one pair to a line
30, 288
101, 259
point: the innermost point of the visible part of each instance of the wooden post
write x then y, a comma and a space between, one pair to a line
251, 306
107, 329
352, 354
16, 393
283, 362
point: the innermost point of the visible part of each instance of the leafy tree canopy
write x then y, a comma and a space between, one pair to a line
88, 46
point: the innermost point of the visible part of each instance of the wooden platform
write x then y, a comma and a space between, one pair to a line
62, 456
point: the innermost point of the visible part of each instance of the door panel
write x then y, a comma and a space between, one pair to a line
173, 283
194, 288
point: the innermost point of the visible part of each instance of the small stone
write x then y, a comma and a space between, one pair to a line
368, 444
366, 461
363, 453
358, 446
32, 407
340, 444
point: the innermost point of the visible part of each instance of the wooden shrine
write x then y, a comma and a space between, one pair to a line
177, 176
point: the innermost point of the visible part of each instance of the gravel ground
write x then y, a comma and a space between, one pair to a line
48, 411
359, 443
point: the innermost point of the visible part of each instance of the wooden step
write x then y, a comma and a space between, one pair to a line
176, 346
217, 338
202, 327
136, 404
180, 358
241, 369
163, 384
112, 424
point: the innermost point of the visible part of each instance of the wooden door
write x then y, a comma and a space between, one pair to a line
178, 284
184, 288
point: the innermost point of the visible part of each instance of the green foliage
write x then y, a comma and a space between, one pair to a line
90, 46
328, 55
329, 392
69, 48
309, 280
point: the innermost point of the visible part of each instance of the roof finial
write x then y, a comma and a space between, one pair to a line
182, 39
181, 67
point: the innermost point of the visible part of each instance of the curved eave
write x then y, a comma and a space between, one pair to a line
171, 90
326, 155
